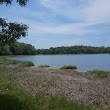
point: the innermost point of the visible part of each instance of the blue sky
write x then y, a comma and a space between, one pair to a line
54, 23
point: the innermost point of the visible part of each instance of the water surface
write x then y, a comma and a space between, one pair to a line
83, 62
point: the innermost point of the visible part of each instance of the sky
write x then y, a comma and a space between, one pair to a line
54, 23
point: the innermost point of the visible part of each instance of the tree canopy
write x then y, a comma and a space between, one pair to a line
17, 48
10, 32
21, 2
75, 50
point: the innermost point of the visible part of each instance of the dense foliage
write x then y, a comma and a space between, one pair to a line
17, 49
69, 67
10, 32
75, 50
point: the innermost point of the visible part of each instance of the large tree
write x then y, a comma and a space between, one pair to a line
10, 32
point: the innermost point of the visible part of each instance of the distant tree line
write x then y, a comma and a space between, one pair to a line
75, 50
17, 49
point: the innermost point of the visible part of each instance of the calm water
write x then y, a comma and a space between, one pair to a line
83, 62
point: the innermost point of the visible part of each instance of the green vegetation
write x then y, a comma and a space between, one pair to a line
5, 61
27, 64
27, 49
13, 62
17, 49
15, 97
10, 32
74, 50
22, 49
43, 66
58, 103
99, 73
68, 67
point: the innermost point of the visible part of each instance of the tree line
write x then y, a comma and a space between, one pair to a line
74, 50
17, 49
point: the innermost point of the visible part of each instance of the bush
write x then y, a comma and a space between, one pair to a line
43, 66
12, 102
15, 98
13, 62
99, 73
68, 67
27, 64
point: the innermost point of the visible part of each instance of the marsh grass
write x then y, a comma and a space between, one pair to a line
68, 67
27, 64
99, 73
43, 66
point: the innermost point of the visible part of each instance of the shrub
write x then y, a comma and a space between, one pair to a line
68, 67
27, 64
13, 62
43, 66
99, 73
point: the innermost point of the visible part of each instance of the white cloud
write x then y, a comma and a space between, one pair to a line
36, 28
90, 12
47, 17
97, 11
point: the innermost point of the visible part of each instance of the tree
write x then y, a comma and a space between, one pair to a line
21, 2
10, 32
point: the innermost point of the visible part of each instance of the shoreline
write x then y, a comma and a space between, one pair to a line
72, 85
83, 62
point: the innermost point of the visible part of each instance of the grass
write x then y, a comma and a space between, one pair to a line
14, 97
99, 73
43, 66
27, 64
58, 103
68, 67
5, 61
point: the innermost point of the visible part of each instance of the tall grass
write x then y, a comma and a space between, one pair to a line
68, 67
13, 98
27, 64
43, 66
99, 73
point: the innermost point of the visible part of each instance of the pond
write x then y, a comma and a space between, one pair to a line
83, 62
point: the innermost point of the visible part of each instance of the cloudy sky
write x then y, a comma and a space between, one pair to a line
54, 23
